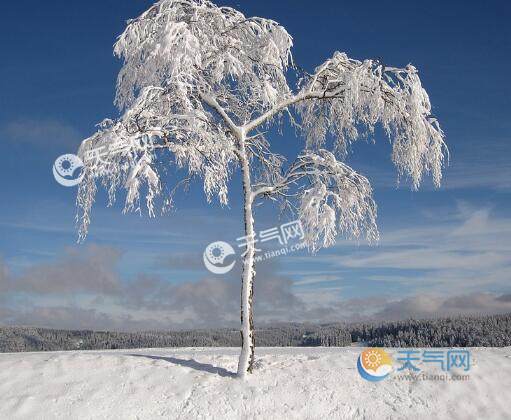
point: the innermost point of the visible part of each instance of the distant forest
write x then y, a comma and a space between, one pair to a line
482, 331
472, 331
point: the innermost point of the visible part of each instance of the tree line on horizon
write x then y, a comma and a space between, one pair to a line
463, 331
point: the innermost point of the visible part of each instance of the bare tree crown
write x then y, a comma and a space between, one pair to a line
199, 86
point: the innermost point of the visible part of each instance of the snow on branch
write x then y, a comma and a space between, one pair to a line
332, 198
191, 72
137, 151
346, 95
200, 47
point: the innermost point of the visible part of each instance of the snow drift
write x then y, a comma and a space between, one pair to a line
199, 383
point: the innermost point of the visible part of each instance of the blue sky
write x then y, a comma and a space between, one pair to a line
442, 252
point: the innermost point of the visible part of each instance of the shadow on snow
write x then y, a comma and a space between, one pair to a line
203, 367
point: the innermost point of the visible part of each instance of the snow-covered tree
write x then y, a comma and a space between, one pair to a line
199, 89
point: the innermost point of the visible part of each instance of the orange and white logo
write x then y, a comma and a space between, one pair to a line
374, 364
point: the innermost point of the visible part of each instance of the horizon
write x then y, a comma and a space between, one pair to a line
276, 325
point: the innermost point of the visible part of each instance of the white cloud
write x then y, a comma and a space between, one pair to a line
447, 268
432, 306
472, 251
42, 133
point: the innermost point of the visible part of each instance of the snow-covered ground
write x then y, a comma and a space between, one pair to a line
198, 383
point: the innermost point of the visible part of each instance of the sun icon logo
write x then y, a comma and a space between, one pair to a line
373, 359
64, 170
215, 255
374, 364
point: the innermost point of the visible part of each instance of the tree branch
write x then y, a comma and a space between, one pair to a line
288, 102
212, 102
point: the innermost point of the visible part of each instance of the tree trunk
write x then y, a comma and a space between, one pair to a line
246, 359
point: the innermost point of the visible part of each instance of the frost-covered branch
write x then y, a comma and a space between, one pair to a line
212, 102
192, 73
358, 95
344, 96
135, 152
240, 62
332, 198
